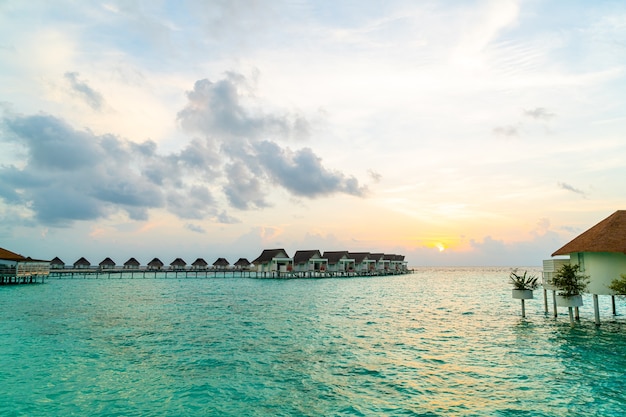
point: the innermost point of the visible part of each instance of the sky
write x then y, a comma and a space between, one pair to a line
456, 133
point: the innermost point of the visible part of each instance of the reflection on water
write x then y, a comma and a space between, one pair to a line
442, 341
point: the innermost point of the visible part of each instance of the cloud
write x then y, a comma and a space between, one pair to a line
68, 174
571, 188
81, 89
243, 188
73, 175
543, 225
191, 202
301, 172
483, 27
53, 145
225, 218
194, 228
506, 131
375, 176
219, 109
539, 113
228, 115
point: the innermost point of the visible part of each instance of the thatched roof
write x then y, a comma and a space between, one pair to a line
359, 256
155, 262
7, 255
221, 262
131, 262
303, 256
57, 261
82, 261
178, 262
107, 262
377, 256
607, 236
199, 262
334, 256
242, 262
268, 254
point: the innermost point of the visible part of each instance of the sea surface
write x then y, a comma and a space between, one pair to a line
439, 342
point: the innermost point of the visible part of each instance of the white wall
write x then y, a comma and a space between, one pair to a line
602, 268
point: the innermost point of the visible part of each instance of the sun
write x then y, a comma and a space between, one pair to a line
440, 246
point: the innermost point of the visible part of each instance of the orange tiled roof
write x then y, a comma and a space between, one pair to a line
10, 256
607, 236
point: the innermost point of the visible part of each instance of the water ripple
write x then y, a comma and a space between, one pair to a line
396, 346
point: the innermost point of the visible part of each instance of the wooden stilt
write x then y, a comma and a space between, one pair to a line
613, 305
571, 316
596, 309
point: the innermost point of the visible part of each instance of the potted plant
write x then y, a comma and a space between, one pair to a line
618, 286
570, 286
523, 285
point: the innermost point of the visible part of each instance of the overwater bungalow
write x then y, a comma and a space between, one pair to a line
396, 262
362, 262
107, 263
82, 263
57, 263
600, 253
339, 261
18, 269
199, 265
273, 260
155, 265
242, 264
382, 264
221, 263
389, 260
309, 261
178, 264
132, 263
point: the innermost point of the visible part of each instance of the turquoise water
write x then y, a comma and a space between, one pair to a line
439, 342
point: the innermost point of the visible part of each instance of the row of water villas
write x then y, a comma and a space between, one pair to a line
272, 263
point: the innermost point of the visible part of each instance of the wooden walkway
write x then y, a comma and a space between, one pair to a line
207, 273
12, 279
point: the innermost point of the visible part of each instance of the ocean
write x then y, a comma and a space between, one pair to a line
439, 342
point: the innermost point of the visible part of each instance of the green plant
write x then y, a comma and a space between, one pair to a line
569, 282
618, 285
523, 282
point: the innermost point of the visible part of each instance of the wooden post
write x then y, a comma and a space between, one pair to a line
523, 308
571, 316
613, 304
545, 301
596, 309
554, 303
577, 315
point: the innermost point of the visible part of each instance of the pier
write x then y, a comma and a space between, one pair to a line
271, 264
13, 279
146, 273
